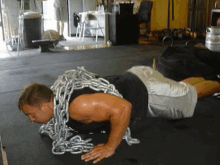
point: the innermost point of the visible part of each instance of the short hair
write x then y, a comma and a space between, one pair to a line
34, 94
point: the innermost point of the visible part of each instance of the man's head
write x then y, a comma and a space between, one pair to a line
36, 101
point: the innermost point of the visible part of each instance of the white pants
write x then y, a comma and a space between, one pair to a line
166, 98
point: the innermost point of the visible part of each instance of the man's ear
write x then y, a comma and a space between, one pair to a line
44, 106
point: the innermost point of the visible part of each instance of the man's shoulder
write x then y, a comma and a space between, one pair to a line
79, 104
89, 98
83, 99
80, 98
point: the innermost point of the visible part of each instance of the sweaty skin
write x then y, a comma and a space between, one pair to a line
203, 87
90, 108
100, 107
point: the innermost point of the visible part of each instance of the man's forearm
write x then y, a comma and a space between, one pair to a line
119, 123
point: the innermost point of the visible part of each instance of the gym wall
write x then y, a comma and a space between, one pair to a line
159, 14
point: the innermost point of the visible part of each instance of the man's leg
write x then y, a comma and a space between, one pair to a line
58, 27
203, 87
193, 80
63, 19
57, 18
206, 88
60, 22
61, 32
62, 28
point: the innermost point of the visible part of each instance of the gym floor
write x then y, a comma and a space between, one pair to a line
72, 43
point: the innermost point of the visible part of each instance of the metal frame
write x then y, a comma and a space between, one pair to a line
1, 22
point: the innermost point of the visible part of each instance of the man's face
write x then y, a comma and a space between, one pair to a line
41, 114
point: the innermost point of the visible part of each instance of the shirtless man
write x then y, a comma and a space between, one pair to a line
36, 102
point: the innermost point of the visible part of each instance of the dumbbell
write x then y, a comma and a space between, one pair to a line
150, 34
193, 34
186, 33
161, 35
156, 34
168, 32
175, 33
180, 34
203, 33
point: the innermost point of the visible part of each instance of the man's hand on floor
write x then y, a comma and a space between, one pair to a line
98, 153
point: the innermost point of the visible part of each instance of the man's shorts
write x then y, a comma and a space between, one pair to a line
61, 14
166, 98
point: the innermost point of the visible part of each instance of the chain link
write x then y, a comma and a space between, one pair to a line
57, 129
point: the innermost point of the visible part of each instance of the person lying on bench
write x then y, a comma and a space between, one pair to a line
144, 90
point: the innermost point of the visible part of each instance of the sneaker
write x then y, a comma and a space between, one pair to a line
217, 95
62, 38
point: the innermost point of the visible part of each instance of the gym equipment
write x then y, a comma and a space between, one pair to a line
212, 41
3, 151
178, 63
191, 41
144, 13
172, 10
44, 44
168, 32
168, 14
49, 39
92, 24
52, 35
12, 38
193, 16
31, 28
175, 33
168, 38
217, 95
180, 34
187, 33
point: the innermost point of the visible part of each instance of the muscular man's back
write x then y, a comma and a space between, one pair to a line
132, 90
96, 107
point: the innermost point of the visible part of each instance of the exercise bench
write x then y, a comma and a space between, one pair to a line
44, 44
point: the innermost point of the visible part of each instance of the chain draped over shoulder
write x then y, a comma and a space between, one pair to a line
57, 128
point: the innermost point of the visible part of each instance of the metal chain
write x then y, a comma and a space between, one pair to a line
57, 129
